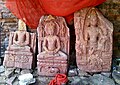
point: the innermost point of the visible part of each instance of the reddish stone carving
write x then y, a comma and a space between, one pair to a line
53, 45
21, 48
93, 40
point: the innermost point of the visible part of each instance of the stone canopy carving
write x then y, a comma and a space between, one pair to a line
53, 45
21, 49
93, 40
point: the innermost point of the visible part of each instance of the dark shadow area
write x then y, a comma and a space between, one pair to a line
0, 40
72, 57
36, 53
3, 44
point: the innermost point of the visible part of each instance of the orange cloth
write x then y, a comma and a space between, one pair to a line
30, 11
59, 79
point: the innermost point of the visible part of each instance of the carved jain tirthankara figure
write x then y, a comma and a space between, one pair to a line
21, 49
53, 45
93, 40
21, 38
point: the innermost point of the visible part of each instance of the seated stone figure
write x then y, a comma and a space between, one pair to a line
51, 43
21, 38
21, 49
53, 46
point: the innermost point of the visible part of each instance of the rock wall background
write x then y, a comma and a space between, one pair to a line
110, 9
8, 22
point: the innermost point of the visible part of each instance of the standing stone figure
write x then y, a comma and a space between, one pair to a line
21, 49
53, 45
93, 40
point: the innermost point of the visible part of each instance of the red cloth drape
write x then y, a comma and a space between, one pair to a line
30, 11
59, 79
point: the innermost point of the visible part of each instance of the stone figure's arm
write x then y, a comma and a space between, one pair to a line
86, 36
102, 35
14, 39
58, 45
100, 31
27, 41
44, 45
85, 39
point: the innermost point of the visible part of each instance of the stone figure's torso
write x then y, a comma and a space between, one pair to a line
51, 42
93, 34
21, 36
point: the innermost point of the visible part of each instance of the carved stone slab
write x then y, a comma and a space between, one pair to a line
53, 45
93, 40
20, 57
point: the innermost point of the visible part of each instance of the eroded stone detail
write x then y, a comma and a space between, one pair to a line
93, 40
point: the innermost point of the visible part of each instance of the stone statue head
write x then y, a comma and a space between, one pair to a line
21, 25
93, 17
50, 28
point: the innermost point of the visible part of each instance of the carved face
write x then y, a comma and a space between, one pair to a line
50, 28
93, 20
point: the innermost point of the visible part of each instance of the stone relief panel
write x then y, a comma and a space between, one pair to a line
53, 45
21, 49
93, 40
